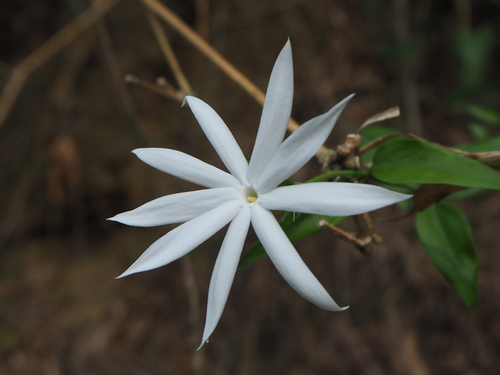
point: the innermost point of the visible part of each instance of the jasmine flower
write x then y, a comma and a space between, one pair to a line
248, 194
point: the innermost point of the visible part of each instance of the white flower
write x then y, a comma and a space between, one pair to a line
248, 195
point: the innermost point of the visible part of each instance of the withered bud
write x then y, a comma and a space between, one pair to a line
353, 140
343, 150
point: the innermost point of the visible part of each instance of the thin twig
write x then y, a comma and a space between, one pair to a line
362, 244
160, 89
377, 142
168, 53
194, 38
21, 72
162, 82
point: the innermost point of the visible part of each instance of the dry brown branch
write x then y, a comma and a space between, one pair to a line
196, 40
180, 26
21, 72
168, 53
166, 91
377, 142
361, 243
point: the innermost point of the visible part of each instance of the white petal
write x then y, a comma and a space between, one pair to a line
330, 198
177, 208
225, 269
299, 148
184, 238
220, 137
275, 114
287, 261
186, 167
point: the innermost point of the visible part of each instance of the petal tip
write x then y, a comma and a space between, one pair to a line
129, 271
346, 100
137, 152
203, 342
187, 99
116, 219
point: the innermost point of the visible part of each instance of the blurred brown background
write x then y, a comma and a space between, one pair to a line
66, 166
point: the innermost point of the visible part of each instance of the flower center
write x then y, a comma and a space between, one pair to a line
251, 195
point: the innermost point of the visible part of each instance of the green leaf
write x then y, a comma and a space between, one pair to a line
296, 227
371, 133
489, 144
485, 114
446, 236
479, 132
464, 194
404, 160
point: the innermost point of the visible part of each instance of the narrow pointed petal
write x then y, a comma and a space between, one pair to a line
177, 208
288, 262
275, 114
220, 137
181, 240
299, 148
186, 167
224, 270
330, 198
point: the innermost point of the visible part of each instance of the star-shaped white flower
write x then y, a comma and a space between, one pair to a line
248, 194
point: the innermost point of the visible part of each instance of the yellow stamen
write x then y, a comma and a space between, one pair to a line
251, 195
251, 199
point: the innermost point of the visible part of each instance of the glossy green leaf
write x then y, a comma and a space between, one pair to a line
371, 133
447, 239
404, 160
296, 227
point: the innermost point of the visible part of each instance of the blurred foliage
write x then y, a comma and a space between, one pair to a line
474, 48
